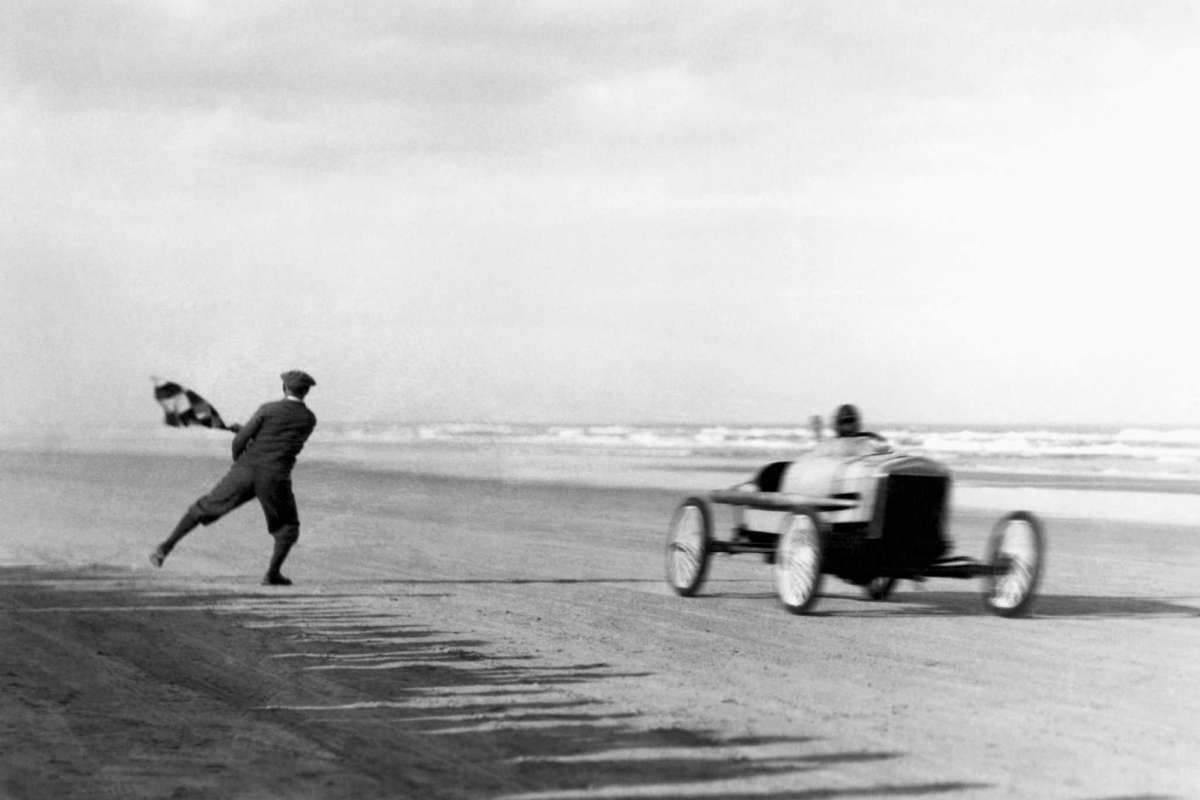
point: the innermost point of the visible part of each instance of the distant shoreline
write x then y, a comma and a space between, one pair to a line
1016, 479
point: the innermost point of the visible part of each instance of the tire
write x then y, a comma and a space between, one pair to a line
689, 541
798, 558
1018, 545
880, 588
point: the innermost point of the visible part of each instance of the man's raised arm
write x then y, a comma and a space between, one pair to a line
246, 435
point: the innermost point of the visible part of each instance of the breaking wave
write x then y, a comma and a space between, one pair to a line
1142, 452
1165, 445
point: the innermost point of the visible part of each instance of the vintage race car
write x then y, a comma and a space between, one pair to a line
855, 508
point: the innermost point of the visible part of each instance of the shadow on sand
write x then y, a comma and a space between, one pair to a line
915, 601
1047, 605
415, 710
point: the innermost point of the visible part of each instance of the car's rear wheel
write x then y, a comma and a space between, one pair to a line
1015, 553
797, 568
689, 542
880, 588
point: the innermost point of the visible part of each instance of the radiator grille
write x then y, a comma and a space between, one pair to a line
913, 519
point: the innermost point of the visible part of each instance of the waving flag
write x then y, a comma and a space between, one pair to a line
183, 407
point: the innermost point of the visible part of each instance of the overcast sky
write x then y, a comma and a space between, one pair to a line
603, 211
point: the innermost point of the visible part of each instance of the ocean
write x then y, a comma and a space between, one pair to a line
1079, 452
1144, 473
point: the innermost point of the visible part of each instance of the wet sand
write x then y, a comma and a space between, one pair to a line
458, 638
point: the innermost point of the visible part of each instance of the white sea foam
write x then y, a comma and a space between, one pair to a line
1115, 451
1039, 452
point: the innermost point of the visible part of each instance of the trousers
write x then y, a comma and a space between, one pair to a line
239, 486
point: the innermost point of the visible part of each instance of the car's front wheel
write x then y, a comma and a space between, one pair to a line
1015, 552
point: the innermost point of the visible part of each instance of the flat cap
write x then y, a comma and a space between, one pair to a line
297, 379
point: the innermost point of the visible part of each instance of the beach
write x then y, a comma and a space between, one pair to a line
559, 275
474, 622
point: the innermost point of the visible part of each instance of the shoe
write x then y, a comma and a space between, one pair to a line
276, 580
158, 556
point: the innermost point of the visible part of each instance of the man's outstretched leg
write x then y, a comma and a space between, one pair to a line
234, 489
187, 523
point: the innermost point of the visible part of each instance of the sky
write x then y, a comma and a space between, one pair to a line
602, 211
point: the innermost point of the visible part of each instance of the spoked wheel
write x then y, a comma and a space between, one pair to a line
688, 546
880, 588
798, 562
1015, 551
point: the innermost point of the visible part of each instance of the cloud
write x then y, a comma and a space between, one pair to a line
602, 192
327, 85
435, 68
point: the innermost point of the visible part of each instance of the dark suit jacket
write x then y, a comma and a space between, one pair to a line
274, 436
